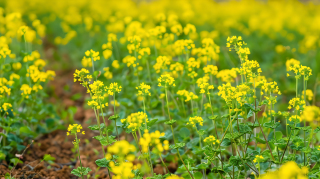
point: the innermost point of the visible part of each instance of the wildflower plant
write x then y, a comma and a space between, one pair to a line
164, 91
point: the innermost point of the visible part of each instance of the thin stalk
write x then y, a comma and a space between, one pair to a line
304, 132
266, 140
174, 140
114, 113
98, 121
79, 155
164, 163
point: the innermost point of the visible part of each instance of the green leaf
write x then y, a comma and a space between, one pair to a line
105, 140
235, 160
81, 171
201, 132
170, 122
184, 132
114, 117
260, 140
48, 157
76, 96
26, 130
198, 175
213, 117
15, 161
244, 128
278, 135
96, 127
96, 74
2, 156
153, 121
102, 162
225, 142
177, 145
271, 124
50, 123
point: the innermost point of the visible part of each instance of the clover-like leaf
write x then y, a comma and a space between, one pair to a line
114, 117
105, 140
177, 145
271, 124
48, 157
81, 171
102, 162
170, 122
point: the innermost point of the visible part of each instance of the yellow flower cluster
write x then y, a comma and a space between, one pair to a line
82, 76
183, 46
250, 68
74, 129
271, 87
295, 118
309, 95
188, 95
299, 70
236, 43
211, 69
287, 171
296, 103
205, 87
113, 88
176, 69
174, 177
258, 158
26, 90
211, 140
143, 90
130, 60
6, 106
166, 81
36, 75
162, 62
97, 96
107, 73
227, 75
134, 43
291, 63
135, 120
92, 55
311, 113
123, 149
195, 120
107, 50
143, 52
153, 140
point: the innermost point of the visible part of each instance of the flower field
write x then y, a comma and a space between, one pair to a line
160, 89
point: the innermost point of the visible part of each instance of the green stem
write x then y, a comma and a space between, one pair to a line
98, 121
164, 163
114, 113
174, 140
79, 154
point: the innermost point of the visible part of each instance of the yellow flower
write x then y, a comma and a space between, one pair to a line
311, 113
135, 120
211, 140
6, 106
166, 81
258, 158
213, 70
74, 129
195, 120
143, 90
309, 94
93, 55
113, 88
